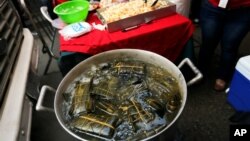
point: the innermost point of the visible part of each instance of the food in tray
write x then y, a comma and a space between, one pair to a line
107, 3
131, 8
93, 5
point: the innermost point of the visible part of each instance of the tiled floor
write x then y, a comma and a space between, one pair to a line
205, 116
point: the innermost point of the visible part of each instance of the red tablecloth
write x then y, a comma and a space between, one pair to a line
166, 36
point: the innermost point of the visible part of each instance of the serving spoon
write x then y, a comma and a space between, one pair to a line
153, 4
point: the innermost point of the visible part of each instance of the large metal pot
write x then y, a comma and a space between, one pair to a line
108, 56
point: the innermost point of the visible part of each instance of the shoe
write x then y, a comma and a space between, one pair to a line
220, 85
196, 21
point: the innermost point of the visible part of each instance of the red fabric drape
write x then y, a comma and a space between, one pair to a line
56, 2
165, 36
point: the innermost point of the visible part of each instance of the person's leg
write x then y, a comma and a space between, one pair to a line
195, 10
211, 27
238, 25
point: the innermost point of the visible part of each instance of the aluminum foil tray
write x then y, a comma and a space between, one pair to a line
137, 20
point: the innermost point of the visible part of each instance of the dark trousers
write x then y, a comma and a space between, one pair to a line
227, 27
195, 9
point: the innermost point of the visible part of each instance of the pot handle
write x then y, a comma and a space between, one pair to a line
198, 75
39, 105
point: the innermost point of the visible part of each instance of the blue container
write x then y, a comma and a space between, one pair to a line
239, 92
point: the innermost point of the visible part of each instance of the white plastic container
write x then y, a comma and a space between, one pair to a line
239, 93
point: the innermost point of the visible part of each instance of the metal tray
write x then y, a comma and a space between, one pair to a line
135, 21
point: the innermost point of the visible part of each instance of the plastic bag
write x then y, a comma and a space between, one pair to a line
75, 30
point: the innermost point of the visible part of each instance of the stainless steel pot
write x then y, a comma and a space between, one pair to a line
108, 56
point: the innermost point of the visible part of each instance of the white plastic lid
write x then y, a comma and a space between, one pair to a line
243, 66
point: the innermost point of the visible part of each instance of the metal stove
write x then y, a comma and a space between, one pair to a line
16, 44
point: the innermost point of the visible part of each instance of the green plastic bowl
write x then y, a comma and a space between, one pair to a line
72, 11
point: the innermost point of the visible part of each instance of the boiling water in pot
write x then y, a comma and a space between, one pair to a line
122, 100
